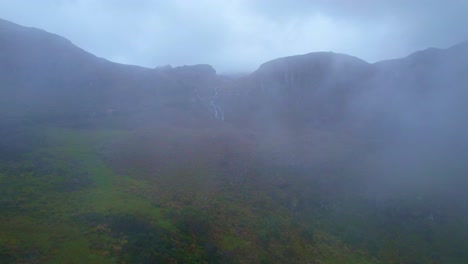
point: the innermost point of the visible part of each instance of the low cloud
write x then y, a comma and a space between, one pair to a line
239, 35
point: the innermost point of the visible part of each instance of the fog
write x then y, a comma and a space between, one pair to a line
422, 135
315, 158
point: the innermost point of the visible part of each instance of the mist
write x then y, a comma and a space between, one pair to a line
309, 156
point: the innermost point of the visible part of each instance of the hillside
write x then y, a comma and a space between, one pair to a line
315, 158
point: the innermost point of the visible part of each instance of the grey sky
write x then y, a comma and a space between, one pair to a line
239, 35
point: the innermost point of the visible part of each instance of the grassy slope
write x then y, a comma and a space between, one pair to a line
114, 196
46, 202
60, 202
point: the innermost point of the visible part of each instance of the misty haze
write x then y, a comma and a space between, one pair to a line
121, 143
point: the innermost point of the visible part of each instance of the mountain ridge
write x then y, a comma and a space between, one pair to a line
44, 74
8, 24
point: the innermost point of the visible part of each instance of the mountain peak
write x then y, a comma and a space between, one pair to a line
7, 28
312, 61
463, 44
4, 24
202, 69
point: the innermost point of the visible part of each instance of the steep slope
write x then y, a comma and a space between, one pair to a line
306, 90
45, 76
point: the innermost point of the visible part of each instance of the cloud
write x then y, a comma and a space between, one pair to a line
239, 35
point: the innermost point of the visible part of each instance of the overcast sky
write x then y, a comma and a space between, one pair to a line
239, 35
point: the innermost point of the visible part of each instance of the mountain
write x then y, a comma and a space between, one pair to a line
46, 76
314, 158
311, 89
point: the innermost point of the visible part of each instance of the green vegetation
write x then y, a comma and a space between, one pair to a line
116, 196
